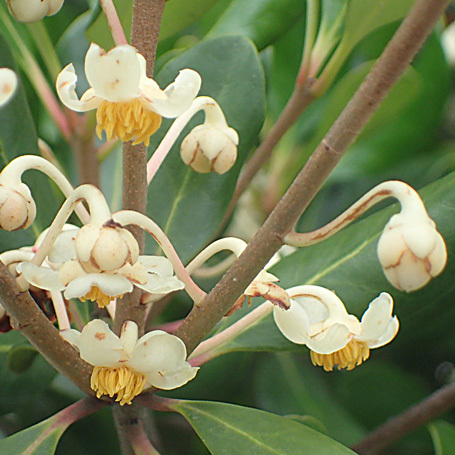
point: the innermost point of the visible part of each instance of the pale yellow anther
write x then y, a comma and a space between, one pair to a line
121, 381
97, 295
352, 355
127, 120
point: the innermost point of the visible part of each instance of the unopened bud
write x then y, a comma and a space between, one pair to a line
17, 207
8, 85
33, 10
411, 251
106, 248
210, 148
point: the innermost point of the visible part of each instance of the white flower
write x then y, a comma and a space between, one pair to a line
129, 104
318, 319
17, 207
153, 274
8, 85
411, 250
125, 366
33, 10
210, 147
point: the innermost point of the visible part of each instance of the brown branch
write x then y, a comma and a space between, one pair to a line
144, 37
396, 427
388, 69
35, 326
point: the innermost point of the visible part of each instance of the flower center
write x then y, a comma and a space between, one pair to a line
127, 120
352, 355
121, 381
97, 295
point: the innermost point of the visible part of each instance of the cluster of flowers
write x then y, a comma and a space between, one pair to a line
100, 261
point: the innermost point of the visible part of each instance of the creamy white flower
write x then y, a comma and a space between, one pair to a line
33, 10
411, 251
8, 85
17, 207
318, 319
125, 366
129, 104
210, 147
153, 274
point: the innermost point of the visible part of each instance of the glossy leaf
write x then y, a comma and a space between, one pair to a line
443, 435
347, 263
263, 21
40, 439
223, 427
187, 205
19, 138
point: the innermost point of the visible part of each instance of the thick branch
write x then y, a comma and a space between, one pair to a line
395, 428
144, 37
35, 326
388, 69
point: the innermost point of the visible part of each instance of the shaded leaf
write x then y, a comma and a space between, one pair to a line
443, 435
20, 358
223, 427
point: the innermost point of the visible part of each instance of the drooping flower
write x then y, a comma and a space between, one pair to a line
129, 104
84, 259
33, 10
8, 85
125, 366
318, 319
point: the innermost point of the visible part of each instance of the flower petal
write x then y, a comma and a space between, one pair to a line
388, 335
180, 95
161, 285
128, 336
293, 323
331, 340
66, 84
8, 85
157, 264
99, 346
161, 357
64, 249
110, 284
41, 277
376, 318
72, 336
114, 75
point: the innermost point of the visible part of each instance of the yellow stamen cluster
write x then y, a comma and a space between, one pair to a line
352, 355
97, 295
128, 120
122, 381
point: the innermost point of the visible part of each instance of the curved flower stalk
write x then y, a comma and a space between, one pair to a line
318, 319
17, 206
8, 85
217, 148
125, 366
262, 286
33, 10
410, 249
129, 104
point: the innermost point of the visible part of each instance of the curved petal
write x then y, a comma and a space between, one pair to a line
110, 284
161, 285
54, 7
376, 319
8, 85
158, 351
114, 75
99, 346
171, 379
179, 95
128, 336
157, 264
41, 277
332, 340
64, 249
66, 84
388, 335
292, 323
71, 336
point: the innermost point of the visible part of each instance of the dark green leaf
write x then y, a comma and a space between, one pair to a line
189, 206
20, 358
226, 427
443, 435
263, 21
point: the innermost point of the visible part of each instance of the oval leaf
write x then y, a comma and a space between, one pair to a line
227, 427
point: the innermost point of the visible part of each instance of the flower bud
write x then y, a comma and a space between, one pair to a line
210, 148
17, 207
8, 85
106, 248
33, 10
411, 251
